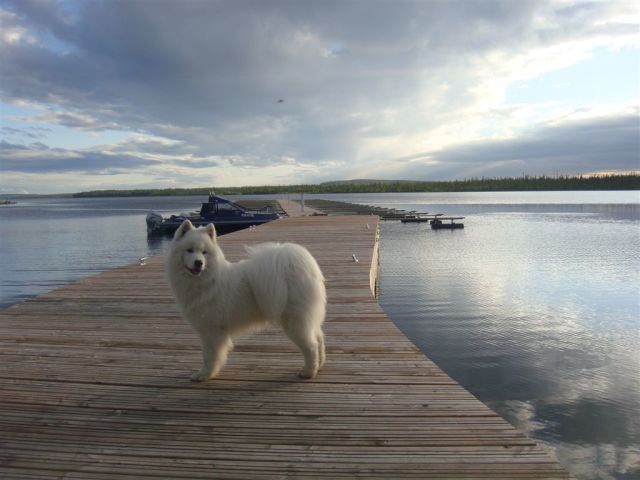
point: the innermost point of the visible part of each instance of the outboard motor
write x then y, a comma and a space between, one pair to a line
154, 220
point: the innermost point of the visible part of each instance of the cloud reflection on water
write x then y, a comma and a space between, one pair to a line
536, 312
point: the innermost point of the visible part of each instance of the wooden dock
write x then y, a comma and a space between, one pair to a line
95, 385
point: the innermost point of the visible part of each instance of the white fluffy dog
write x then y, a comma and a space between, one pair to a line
279, 283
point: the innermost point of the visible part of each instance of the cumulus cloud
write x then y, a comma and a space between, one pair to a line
362, 82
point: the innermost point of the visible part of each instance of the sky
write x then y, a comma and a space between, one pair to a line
183, 93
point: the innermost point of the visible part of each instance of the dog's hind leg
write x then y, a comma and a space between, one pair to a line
308, 344
215, 348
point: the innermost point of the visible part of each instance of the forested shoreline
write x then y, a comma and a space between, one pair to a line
525, 183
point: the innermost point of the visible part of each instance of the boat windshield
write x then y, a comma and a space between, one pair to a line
225, 207
219, 205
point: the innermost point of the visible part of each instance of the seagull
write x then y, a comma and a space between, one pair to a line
355, 259
143, 260
280, 100
367, 227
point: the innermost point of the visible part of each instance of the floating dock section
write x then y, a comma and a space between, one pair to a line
95, 385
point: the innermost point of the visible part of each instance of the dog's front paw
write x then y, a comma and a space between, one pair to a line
200, 376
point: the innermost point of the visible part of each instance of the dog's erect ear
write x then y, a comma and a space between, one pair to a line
183, 229
211, 231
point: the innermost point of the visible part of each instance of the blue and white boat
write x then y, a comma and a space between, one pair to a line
225, 215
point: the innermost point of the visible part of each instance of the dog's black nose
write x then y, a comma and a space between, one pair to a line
197, 264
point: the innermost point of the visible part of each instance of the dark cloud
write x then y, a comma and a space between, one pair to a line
205, 163
38, 158
76, 120
11, 131
195, 63
11, 147
577, 146
28, 132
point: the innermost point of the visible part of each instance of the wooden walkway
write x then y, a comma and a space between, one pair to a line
95, 385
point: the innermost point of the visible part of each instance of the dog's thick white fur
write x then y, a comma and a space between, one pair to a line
279, 283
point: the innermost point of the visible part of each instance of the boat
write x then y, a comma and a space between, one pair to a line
438, 223
225, 215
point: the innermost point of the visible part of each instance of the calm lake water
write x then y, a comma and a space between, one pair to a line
534, 307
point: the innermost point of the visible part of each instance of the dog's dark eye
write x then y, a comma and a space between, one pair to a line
204, 252
190, 250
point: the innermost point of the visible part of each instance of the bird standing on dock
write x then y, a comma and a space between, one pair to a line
355, 259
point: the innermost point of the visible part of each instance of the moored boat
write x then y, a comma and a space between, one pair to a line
439, 224
225, 215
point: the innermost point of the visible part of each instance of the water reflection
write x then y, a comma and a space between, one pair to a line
43, 246
538, 316
603, 460
157, 243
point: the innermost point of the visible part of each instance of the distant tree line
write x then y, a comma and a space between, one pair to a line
524, 183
